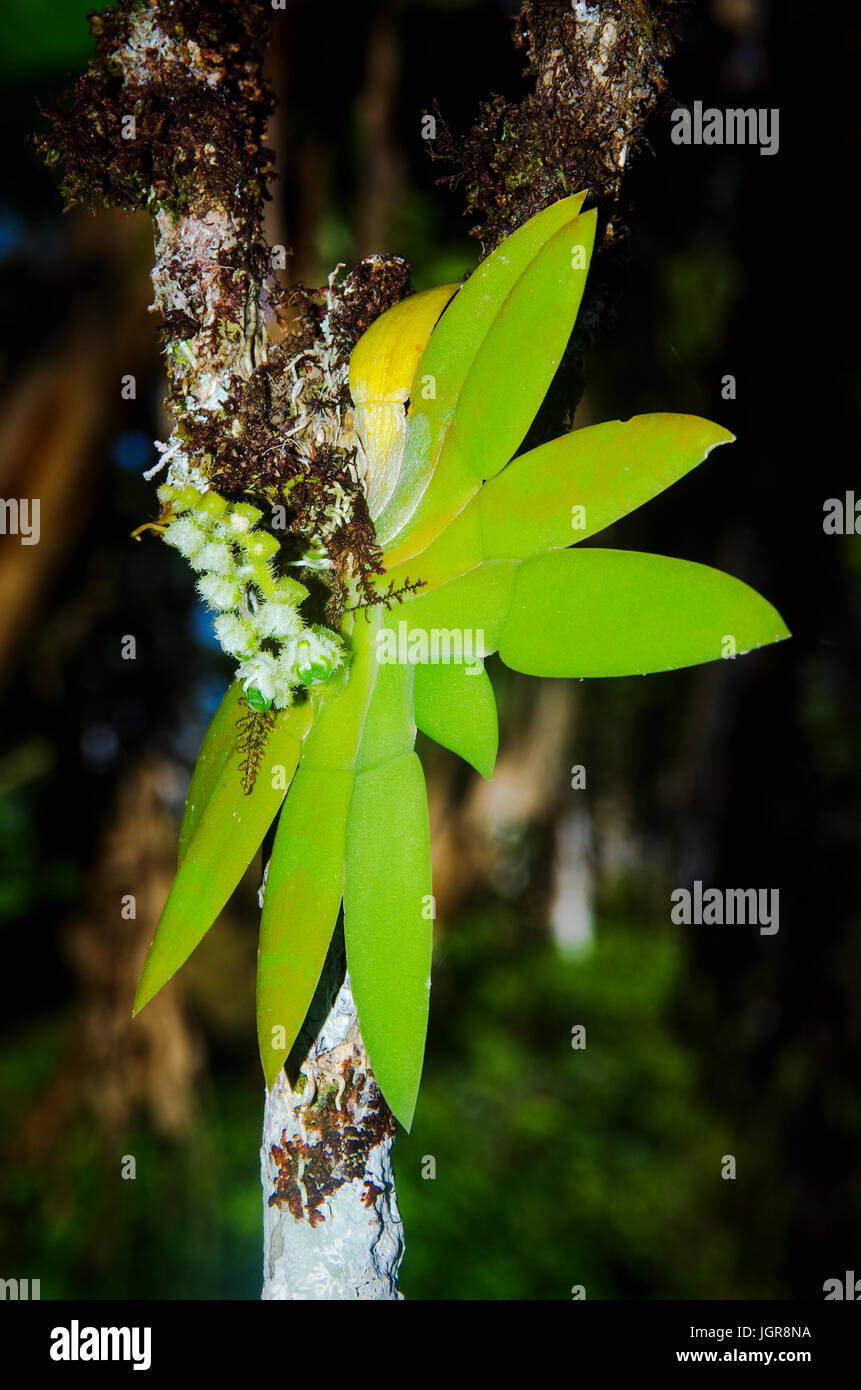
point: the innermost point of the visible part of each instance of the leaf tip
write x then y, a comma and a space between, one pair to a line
485, 764
150, 983
782, 634
142, 998
719, 436
272, 1060
405, 1117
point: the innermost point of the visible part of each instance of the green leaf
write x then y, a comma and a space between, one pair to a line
491, 359
214, 752
591, 612
608, 470
455, 551
619, 613
306, 870
226, 837
517, 361
387, 884
453, 347
456, 706
342, 705
390, 728
472, 606
300, 908
387, 924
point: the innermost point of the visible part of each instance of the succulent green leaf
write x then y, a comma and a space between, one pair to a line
452, 349
214, 752
340, 709
473, 603
390, 729
300, 908
606, 470
455, 551
518, 359
227, 835
455, 705
487, 386
388, 924
619, 613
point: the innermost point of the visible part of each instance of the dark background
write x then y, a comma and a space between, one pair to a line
554, 1167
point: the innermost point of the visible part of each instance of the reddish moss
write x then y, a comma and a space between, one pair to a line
200, 104
194, 142
337, 1149
371, 287
565, 134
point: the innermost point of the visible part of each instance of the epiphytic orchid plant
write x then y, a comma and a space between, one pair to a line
444, 387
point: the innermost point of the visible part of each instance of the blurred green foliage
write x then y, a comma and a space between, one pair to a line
554, 1166
558, 1166
52, 34
186, 1226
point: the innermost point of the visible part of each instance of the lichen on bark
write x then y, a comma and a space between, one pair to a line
331, 1224
594, 75
595, 72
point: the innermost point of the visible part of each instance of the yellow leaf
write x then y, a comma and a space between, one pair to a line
382, 369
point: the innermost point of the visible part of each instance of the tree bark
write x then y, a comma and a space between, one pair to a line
331, 1225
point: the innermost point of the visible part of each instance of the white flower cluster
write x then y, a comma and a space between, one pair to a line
258, 623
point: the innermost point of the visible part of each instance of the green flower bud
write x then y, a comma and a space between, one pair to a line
187, 498
256, 700
314, 674
212, 505
259, 545
170, 497
242, 517
291, 591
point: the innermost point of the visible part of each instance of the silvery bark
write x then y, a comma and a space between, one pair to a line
331, 1225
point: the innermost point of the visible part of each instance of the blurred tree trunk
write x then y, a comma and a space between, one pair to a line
153, 1063
381, 164
114, 1070
57, 411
